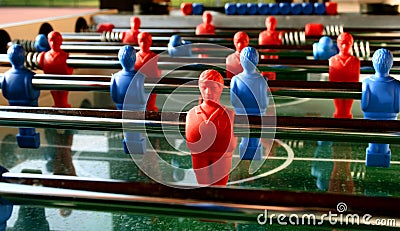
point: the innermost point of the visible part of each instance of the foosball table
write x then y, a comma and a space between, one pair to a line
311, 173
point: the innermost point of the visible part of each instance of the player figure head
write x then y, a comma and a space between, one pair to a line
270, 23
41, 43
382, 61
175, 40
55, 40
249, 59
207, 17
127, 57
325, 43
241, 40
145, 40
345, 43
135, 23
211, 85
16, 55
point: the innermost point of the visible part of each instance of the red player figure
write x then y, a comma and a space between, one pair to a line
233, 66
270, 36
54, 61
131, 35
344, 67
206, 27
147, 63
209, 132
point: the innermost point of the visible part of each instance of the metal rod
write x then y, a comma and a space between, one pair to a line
306, 89
199, 64
115, 36
160, 45
233, 199
123, 203
312, 128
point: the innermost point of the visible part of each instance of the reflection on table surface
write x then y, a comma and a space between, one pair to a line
297, 165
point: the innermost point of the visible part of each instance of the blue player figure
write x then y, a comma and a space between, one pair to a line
178, 47
249, 96
5, 213
128, 86
322, 170
42, 43
17, 88
324, 48
380, 101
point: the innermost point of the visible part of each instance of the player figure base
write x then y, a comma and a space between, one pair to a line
62, 105
135, 147
377, 159
250, 153
343, 116
26, 141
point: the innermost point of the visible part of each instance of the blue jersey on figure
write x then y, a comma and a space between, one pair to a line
249, 96
324, 48
128, 83
380, 101
17, 88
127, 92
178, 47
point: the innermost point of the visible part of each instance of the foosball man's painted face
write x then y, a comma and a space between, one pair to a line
345, 43
127, 57
249, 59
55, 40
145, 40
135, 23
241, 40
382, 60
16, 55
211, 85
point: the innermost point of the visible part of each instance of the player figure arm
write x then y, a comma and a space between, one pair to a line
365, 96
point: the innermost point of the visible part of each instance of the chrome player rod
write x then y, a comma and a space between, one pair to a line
194, 63
305, 89
279, 66
223, 203
312, 128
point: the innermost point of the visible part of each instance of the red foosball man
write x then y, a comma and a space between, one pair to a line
131, 36
206, 27
233, 66
147, 63
270, 36
54, 61
209, 133
344, 67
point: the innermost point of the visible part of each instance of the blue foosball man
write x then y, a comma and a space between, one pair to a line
380, 101
249, 96
127, 92
17, 88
